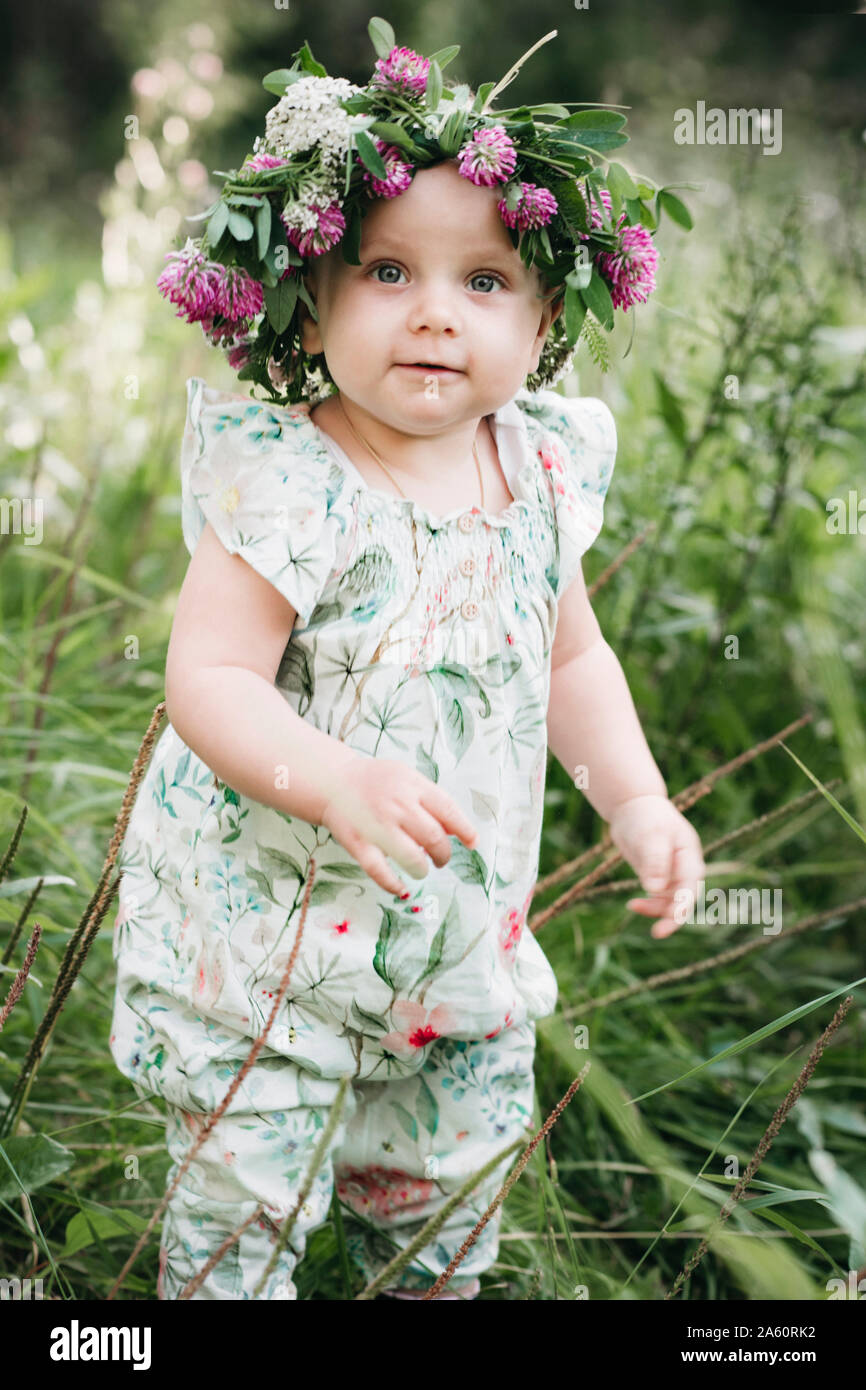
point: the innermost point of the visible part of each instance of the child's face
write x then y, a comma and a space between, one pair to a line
439, 281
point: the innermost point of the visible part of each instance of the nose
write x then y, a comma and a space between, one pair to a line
435, 307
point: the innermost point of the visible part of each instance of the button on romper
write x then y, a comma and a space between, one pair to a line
418, 638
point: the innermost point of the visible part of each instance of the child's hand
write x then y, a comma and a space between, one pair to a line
665, 852
381, 805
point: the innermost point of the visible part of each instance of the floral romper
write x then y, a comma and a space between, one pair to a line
418, 638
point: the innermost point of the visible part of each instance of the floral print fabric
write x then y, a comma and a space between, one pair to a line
417, 638
398, 1153
420, 638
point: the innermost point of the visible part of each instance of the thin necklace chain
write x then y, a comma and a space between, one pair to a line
384, 465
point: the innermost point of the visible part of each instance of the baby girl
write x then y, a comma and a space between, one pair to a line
383, 628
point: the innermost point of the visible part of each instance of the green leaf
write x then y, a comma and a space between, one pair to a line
467, 864
308, 62
548, 108
458, 728
280, 303
381, 36
635, 211
784, 1194
263, 227
407, 1120
458, 679
203, 216
596, 118
451, 135
443, 56
427, 765
425, 1104
278, 862
497, 671
240, 226
388, 929
262, 882
35, 1158
594, 140
596, 297
323, 892
278, 80
482, 94
620, 179
217, 224
675, 209
796, 1231
304, 295
362, 1016
100, 1222
757, 1036
437, 946
344, 871
434, 87
369, 155
396, 135
848, 819
575, 313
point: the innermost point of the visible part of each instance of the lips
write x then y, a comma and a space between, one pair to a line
430, 366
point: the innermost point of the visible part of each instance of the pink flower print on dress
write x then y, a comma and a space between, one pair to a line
210, 976
510, 932
383, 1191
552, 459
505, 1024
416, 1026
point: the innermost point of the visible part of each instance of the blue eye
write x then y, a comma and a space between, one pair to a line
486, 275
388, 265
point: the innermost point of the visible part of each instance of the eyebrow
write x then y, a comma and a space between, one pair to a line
481, 252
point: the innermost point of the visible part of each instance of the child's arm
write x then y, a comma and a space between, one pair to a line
591, 718
227, 709
229, 634
592, 723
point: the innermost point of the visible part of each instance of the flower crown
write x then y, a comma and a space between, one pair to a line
330, 146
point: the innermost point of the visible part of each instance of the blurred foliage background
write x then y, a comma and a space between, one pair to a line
740, 413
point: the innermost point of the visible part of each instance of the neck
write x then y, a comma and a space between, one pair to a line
417, 454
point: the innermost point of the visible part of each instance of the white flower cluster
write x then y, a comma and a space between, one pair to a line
300, 212
309, 114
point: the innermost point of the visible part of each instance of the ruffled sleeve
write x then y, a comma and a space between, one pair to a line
575, 437
269, 489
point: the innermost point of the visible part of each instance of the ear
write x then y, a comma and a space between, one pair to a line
311, 337
550, 313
